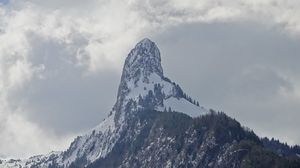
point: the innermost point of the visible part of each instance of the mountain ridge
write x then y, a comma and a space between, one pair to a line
149, 107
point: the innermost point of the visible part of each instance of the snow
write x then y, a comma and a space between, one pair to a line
107, 124
142, 88
98, 138
176, 104
26, 163
184, 106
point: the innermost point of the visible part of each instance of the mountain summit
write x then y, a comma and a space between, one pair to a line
154, 123
144, 60
143, 85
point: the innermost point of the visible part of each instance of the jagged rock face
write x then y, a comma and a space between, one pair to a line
143, 85
144, 60
141, 62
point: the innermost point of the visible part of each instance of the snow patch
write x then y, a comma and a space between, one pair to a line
184, 106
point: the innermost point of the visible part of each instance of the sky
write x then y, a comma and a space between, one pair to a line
61, 62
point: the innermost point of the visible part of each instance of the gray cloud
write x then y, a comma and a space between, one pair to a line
61, 61
246, 69
65, 91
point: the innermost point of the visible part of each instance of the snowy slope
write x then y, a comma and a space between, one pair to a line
42, 161
182, 105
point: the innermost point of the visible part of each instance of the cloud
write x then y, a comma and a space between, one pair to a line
20, 136
246, 69
55, 54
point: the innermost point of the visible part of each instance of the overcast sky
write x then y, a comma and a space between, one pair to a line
61, 61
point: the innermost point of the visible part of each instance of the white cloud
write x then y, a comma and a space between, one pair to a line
20, 137
96, 35
112, 27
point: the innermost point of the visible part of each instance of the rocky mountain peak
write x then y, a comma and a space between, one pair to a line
143, 60
143, 84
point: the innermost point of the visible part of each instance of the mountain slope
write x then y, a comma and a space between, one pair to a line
154, 123
171, 139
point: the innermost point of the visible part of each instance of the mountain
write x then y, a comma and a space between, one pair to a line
154, 123
282, 149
